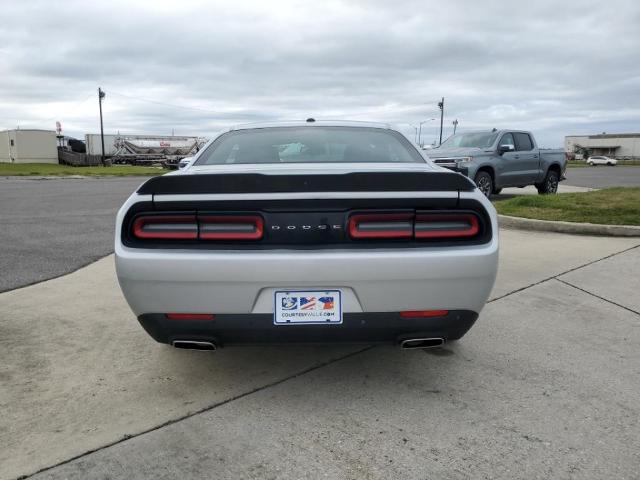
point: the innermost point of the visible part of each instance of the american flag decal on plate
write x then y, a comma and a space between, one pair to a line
307, 307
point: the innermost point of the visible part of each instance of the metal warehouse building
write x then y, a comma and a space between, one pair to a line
619, 145
28, 146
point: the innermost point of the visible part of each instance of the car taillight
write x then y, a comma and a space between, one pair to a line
198, 227
182, 227
419, 226
231, 227
449, 225
381, 225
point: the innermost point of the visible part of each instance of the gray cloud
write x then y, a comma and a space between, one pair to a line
553, 67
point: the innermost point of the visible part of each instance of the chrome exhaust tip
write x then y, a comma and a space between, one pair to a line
413, 343
194, 345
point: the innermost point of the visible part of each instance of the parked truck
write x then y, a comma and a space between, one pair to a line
502, 158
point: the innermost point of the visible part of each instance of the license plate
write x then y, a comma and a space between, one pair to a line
307, 307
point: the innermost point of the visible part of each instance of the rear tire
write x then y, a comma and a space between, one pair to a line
484, 182
496, 191
550, 183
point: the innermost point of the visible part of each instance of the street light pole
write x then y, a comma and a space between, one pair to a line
100, 97
420, 131
455, 125
441, 106
415, 131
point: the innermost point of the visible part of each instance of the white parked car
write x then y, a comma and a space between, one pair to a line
352, 236
601, 160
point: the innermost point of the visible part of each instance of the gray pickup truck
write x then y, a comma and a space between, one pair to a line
502, 158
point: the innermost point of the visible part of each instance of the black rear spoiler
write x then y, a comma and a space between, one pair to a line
347, 182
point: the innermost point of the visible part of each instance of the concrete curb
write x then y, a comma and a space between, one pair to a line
568, 227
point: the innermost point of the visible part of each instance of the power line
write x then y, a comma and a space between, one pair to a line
58, 115
141, 99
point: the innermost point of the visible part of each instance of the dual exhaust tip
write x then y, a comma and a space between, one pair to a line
406, 344
415, 343
194, 345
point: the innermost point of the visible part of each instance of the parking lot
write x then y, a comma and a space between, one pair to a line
544, 386
54, 226
603, 177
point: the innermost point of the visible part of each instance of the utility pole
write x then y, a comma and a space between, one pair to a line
441, 106
455, 125
100, 97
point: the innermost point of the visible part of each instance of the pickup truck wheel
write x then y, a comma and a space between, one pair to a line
484, 183
550, 183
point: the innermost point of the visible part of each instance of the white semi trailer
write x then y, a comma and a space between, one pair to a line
145, 149
94, 147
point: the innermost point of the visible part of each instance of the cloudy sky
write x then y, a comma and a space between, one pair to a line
194, 67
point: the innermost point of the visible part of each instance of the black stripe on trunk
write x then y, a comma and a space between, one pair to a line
349, 182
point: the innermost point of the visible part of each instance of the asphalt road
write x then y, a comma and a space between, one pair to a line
603, 177
52, 227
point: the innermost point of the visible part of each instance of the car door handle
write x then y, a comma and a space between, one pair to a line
516, 156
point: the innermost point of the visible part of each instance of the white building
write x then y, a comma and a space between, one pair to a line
619, 145
28, 146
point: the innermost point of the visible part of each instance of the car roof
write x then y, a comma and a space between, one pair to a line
315, 123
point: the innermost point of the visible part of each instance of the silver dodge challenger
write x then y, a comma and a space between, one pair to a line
307, 232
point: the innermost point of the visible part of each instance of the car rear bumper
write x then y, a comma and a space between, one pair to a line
242, 282
256, 329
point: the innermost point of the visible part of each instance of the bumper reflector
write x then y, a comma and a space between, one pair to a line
424, 313
190, 316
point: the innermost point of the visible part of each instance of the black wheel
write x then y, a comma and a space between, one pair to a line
496, 191
549, 184
484, 182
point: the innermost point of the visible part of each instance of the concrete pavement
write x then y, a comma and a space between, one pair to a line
545, 385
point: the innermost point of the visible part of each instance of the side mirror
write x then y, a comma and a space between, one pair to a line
184, 162
505, 148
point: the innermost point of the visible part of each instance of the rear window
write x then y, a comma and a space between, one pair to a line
310, 145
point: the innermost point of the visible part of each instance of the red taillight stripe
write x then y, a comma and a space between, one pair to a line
446, 225
192, 227
230, 227
424, 313
185, 227
190, 316
381, 225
